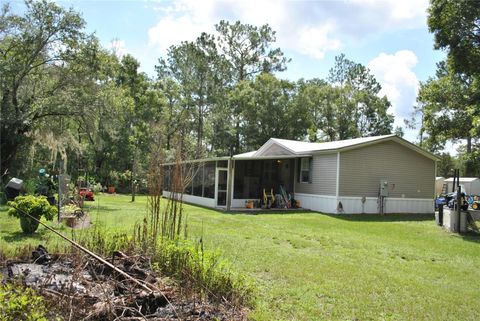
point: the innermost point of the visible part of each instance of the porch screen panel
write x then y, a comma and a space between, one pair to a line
187, 178
209, 180
247, 179
238, 185
198, 180
269, 174
166, 178
254, 172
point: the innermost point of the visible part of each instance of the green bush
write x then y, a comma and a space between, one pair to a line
29, 186
96, 188
18, 303
36, 206
205, 271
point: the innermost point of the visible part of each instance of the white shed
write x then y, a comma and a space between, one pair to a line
470, 185
439, 181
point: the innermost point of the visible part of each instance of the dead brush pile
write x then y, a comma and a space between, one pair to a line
78, 287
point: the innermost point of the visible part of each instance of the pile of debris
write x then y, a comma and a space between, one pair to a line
82, 288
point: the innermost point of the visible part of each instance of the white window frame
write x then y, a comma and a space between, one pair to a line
305, 167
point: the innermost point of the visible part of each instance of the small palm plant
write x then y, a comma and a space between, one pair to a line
35, 206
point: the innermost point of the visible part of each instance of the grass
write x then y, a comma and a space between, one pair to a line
310, 266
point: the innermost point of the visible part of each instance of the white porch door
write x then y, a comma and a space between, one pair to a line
221, 179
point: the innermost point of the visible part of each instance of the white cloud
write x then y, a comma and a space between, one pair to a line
118, 47
310, 28
186, 19
315, 41
171, 31
399, 82
395, 11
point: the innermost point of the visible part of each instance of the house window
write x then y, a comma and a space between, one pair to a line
305, 170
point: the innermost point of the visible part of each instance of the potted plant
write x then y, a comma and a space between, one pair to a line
36, 206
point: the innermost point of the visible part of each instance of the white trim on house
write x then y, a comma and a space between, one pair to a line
202, 201
240, 157
217, 170
270, 143
203, 160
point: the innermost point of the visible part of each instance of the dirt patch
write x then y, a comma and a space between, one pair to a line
77, 221
81, 288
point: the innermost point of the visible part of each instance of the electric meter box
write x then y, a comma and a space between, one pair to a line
383, 187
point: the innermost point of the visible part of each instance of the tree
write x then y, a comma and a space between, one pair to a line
34, 48
320, 99
446, 165
451, 110
270, 111
96, 109
452, 99
348, 106
456, 27
247, 51
172, 116
136, 127
193, 66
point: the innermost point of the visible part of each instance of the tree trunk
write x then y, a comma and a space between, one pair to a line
200, 129
469, 166
237, 137
9, 147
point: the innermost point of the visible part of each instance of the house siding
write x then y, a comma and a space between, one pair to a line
324, 176
409, 174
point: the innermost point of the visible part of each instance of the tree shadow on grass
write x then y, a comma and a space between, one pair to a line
273, 211
471, 236
100, 208
384, 218
19, 236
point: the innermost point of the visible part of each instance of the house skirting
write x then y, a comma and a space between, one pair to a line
320, 203
203, 201
354, 205
330, 204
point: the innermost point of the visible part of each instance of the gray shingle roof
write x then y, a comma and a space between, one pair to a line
299, 148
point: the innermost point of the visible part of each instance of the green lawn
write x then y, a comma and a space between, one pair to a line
310, 266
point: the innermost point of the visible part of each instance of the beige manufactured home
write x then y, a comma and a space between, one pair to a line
364, 175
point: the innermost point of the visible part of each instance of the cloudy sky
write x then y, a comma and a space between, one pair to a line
390, 37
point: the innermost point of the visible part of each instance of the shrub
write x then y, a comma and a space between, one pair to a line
29, 186
204, 271
96, 188
70, 209
36, 206
17, 303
